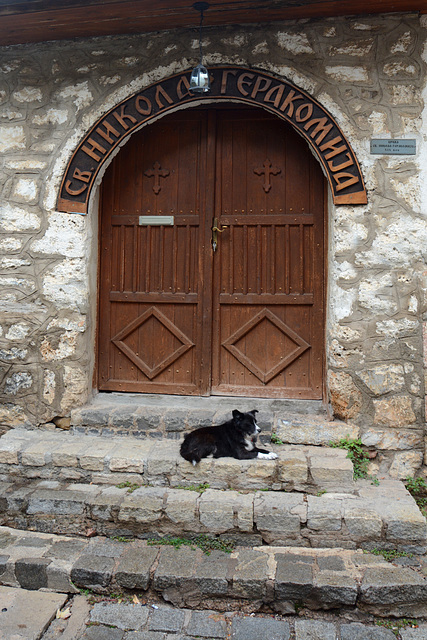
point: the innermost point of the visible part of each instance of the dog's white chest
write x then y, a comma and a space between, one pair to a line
249, 444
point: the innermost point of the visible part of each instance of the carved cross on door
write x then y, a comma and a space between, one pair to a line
267, 170
157, 172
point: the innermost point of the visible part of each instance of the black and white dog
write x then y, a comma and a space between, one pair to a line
235, 439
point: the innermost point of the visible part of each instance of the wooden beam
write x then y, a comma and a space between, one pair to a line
42, 20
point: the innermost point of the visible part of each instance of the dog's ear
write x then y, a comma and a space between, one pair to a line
254, 411
237, 414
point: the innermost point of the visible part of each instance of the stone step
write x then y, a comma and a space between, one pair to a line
160, 416
384, 516
64, 456
262, 578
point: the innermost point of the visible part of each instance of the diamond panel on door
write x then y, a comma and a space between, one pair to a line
269, 330
160, 327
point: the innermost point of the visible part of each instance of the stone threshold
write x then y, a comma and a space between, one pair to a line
384, 516
257, 579
163, 416
63, 456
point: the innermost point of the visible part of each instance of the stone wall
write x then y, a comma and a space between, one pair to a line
371, 76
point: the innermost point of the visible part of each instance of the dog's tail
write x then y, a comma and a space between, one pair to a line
189, 455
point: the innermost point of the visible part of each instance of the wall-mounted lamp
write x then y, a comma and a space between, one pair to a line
199, 81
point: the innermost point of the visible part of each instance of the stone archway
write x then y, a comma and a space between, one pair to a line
236, 84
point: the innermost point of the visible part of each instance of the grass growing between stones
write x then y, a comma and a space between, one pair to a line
205, 543
357, 455
200, 488
390, 554
130, 486
417, 487
396, 625
275, 439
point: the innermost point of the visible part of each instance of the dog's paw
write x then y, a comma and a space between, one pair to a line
268, 456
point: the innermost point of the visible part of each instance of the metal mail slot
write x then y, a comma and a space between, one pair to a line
165, 221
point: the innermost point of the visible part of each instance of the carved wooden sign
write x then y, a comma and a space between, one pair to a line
252, 87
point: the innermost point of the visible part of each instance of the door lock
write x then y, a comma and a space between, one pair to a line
215, 230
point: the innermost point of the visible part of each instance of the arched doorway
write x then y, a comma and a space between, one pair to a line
177, 316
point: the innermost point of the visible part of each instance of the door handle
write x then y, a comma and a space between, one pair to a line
215, 230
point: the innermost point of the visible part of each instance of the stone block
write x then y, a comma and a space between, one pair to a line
58, 577
207, 624
68, 549
405, 464
211, 573
133, 571
31, 573
11, 444
279, 513
395, 411
258, 474
384, 378
93, 572
144, 505
56, 502
67, 453
94, 456
176, 567
405, 523
106, 503
162, 461
181, 508
38, 453
420, 633
147, 419
201, 473
122, 616
176, 420
166, 619
393, 439
104, 633
331, 471
315, 431
314, 630
248, 628
323, 514
362, 522
249, 575
333, 589
228, 472
105, 548
391, 585
130, 458
358, 631
292, 467
294, 577
217, 508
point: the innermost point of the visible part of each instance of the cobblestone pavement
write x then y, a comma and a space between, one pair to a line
113, 620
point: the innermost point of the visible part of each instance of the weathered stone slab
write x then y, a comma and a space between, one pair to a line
133, 571
294, 577
392, 585
28, 612
93, 572
216, 510
181, 509
313, 430
279, 516
254, 628
324, 513
176, 567
144, 505
121, 616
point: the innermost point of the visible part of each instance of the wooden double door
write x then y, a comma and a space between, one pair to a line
244, 317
